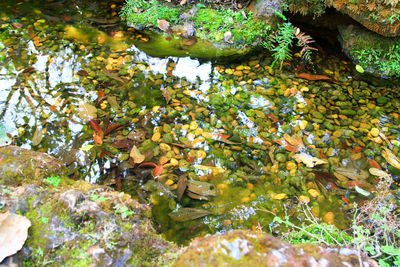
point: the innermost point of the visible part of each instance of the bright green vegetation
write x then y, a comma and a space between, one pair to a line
53, 180
373, 52
210, 24
379, 56
375, 228
307, 7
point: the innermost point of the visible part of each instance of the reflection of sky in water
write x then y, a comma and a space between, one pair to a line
185, 67
191, 69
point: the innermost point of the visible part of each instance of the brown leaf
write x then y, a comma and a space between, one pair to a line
13, 233
82, 73
148, 164
98, 140
167, 94
123, 144
312, 77
286, 145
163, 25
182, 185
113, 127
136, 155
114, 76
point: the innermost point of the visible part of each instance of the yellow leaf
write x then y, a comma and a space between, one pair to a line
136, 155
391, 158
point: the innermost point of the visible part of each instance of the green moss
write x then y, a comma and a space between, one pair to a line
211, 24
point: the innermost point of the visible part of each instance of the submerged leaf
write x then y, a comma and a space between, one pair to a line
361, 191
309, 160
182, 185
37, 137
352, 173
391, 158
378, 172
87, 111
202, 189
187, 214
136, 155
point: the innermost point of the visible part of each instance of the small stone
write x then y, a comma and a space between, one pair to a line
313, 193
304, 199
374, 132
279, 196
329, 218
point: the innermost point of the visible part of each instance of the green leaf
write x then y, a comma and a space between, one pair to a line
359, 69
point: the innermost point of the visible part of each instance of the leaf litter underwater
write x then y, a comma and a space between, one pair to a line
210, 147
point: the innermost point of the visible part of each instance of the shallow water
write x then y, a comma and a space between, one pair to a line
236, 128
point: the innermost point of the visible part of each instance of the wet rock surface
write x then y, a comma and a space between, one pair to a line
79, 224
17, 164
239, 247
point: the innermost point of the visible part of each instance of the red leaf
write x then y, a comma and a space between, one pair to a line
374, 164
98, 140
158, 170
353, 184
312, 77
96, 127
112, 127
101, 94
357, 149
148, 164
345, 200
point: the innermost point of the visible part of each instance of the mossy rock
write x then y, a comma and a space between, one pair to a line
375, 53
18, 165
75, 223
248, 248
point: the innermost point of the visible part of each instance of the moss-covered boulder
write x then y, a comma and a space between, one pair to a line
382, 17
375, 53
205, 30
18, 165
75, 223
247, 248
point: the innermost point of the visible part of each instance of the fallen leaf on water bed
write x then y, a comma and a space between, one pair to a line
286, 145
13, 233
378, 172
361, 191
158, 170
136, 155
391, 158
182, 185
312, 77
374, 164
308, 160
114, 76
187, 214
294, 140
87, 111
352, 173
167, 94
201, 188
37, 137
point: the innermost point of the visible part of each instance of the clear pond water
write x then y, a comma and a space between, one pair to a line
210, 147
